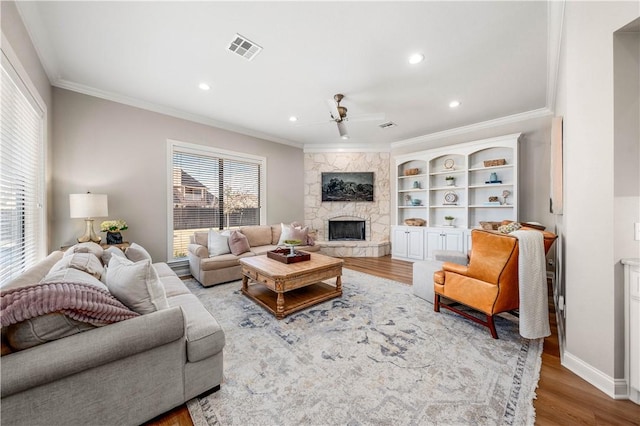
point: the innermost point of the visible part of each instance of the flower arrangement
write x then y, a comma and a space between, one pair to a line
113, 226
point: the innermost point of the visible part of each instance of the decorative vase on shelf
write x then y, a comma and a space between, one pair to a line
114, 237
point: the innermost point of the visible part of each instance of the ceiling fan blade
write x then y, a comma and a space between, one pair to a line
367, 117
333, 109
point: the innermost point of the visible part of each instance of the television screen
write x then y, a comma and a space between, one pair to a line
347, 186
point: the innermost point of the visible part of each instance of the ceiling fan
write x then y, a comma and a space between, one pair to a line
338, 115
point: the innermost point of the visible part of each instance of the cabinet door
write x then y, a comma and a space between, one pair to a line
399, 242
415, 245
432, 242
634, 328
452, 240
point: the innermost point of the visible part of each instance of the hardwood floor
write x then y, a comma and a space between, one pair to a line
562, 397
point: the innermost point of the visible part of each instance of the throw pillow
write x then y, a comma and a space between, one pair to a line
89, 247
136, 253
238, 243
85, 262
290, 232
136, 285
109, 252
218, 243
510, 227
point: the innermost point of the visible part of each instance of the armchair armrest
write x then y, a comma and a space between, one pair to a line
198, 250
455, 268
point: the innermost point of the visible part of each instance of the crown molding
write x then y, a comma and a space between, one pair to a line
509, 119
313, 148
161, 109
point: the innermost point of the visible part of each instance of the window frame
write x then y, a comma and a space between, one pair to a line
206, 150
22, 80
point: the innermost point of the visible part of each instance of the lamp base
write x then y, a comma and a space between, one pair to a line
89, 234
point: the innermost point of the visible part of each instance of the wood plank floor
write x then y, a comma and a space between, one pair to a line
562, 397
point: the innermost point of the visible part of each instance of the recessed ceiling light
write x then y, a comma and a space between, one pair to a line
416, 58
454, 104
204, 86
293, 118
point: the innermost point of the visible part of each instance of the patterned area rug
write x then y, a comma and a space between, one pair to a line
378, 355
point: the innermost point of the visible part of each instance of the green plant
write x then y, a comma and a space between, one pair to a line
449, 178
449, 218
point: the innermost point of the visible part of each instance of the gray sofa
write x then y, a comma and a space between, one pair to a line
212, 270
127, 372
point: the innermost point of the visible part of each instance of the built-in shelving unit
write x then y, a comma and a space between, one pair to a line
455, 181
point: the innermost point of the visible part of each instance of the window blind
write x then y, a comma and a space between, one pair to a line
212, 190
21, 176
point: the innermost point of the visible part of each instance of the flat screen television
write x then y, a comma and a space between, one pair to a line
347, 186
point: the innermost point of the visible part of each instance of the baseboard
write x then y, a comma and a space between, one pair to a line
614, 388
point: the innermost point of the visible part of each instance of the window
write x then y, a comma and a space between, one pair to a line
212, 188
22, 186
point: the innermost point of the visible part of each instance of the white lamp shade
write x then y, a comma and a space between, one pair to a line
342, 129
88, 205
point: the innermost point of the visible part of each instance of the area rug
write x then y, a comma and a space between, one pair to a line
376, 356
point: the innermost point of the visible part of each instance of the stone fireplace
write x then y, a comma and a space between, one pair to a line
375, 215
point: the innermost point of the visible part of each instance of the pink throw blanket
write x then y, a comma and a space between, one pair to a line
81, 302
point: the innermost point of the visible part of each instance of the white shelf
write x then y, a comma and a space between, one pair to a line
413, 190
482, 206
478, 169
442, 206
411, 207
446, 188
447, 172
490, 185
412, 176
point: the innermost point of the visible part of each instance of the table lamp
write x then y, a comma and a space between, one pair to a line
88, 206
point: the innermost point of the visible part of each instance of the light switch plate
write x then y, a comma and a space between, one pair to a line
636, 231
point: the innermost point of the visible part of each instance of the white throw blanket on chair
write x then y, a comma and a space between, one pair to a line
534, 308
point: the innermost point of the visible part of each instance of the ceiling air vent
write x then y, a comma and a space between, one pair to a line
244, 47
387, 125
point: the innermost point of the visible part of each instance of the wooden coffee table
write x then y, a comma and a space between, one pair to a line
301, 281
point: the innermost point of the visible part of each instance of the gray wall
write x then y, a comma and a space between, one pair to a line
585, 98
106, 147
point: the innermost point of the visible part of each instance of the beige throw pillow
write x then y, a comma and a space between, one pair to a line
85, 262
136, 285
135, 253
90, 247
109, 253
290, 232
238, 243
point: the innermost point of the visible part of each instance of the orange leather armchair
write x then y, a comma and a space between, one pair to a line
489, 284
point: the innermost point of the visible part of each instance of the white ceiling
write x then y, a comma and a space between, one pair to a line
492, 56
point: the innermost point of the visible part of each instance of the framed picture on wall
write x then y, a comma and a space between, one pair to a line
347, 186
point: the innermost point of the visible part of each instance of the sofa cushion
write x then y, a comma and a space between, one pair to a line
45, 328
257, 235
173, 285
218, 243
136, 253
85, 262
204, 335
223, 261
201, 238
136, 285
238, 243
259, 250
276, 230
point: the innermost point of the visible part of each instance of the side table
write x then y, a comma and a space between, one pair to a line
122, 246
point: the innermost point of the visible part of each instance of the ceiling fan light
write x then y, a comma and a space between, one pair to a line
342, 129
416, 58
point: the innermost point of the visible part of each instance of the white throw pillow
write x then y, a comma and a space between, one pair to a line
136, 285
109, 253
136, 253
85, 262
290, 232
218, 243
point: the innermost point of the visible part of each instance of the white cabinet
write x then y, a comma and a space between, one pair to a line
632, 327
443, 239
407, 242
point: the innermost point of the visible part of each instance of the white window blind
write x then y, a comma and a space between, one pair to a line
21, 176
212, 189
